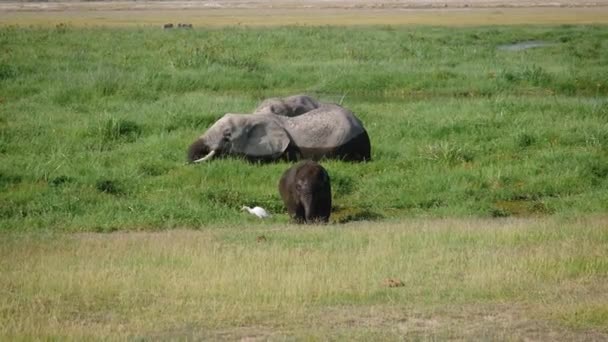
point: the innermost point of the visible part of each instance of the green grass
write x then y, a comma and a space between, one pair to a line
511, 279
488, 186
94, 123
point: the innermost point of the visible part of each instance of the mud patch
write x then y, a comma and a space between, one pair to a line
349, 214
393, 282
520, 208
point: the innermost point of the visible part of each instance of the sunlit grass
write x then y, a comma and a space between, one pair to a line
176, 284
95, 122
484, 203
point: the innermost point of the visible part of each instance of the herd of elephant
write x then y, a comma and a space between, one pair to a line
292, 128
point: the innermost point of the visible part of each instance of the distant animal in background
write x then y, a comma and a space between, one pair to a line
184, 25
168, 26
287, 106
257, 211
306, 192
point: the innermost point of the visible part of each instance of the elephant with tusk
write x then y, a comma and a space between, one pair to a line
287, 106
329, 131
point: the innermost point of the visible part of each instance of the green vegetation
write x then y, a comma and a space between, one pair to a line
95, 122
94, 126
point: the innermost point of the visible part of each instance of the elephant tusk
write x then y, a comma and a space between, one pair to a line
208, 156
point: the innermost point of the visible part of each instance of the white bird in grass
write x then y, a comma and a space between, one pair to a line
257, 211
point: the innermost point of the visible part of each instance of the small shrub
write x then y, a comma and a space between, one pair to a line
7, 71
525, 140
499, 212
8, 179
597, 170
509, 76
60, 180
109, 187
61, 28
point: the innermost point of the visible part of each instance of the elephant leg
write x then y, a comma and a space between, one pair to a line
324, 213
292, 153
300, 214
322, 209
357, 149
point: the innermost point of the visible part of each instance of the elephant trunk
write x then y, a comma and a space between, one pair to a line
205, 158
309, 206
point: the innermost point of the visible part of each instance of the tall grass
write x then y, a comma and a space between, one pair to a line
456, 279
94, 123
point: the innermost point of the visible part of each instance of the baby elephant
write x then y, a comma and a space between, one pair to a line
306, 192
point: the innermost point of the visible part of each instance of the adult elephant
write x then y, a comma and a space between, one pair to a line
329, 131
287, 106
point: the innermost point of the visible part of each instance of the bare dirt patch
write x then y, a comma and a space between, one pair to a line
314, 12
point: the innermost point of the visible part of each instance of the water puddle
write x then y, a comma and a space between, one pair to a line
519, 46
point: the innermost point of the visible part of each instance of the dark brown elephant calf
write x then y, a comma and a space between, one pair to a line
306, 191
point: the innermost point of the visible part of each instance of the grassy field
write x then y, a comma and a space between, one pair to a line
95, 122
486, 197
507, 279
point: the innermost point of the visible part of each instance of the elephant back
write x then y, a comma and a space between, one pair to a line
289, 106
328, 126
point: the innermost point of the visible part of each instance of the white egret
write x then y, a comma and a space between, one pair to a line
257, 211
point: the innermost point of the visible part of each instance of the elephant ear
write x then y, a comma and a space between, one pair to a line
263, 139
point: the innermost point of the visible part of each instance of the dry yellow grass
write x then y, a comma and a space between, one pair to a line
513, 279
308, 16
